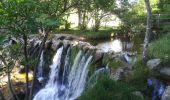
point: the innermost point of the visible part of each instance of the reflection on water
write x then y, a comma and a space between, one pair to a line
115, 45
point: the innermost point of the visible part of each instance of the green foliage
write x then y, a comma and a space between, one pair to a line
2, 37
133, 15
138, 76
140, 71
107, 89
101, 34
161, 49
115, 64
14, 51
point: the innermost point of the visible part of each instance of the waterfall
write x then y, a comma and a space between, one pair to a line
94, 77
40, 68
71, 83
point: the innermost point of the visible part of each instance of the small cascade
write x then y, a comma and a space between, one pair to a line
71, 83
40, 68
101, 71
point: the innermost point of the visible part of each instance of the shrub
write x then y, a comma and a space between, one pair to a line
107, 89
161, 49
139, 75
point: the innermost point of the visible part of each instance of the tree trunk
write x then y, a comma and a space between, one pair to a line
35, 67
10, 84
148, 32
14, 96
79, 15
26, 66
1, 96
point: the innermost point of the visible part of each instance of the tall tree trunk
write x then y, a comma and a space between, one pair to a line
79, 15
26, 66
10, 84
84, 26
148, 32
35, 67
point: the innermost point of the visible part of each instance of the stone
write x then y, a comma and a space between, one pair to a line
139, 94
166, 94
153, 63
165, 72
98, 55
55, 45
116, 75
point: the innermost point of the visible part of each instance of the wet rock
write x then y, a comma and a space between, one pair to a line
166, 94
165, 72
61, 37
56, 44
98, 55
48, 44
138, 93
153, 63
69, 38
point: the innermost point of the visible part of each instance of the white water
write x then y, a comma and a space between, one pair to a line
40, 68
73, 80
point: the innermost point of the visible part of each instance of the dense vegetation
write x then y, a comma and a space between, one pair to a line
21, 18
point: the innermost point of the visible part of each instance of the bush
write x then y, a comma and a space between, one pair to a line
107, 89
161, 48
101, 34
139, 75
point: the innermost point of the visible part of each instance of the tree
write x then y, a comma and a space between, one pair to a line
148, 32
23, 17
100, 9
9, 55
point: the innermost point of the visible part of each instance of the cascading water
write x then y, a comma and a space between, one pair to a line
40, 68
73, 80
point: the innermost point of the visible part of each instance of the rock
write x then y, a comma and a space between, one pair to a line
55, 45
153, 63
166, 94
122, 72
48, 44
61, 37
165, 72
117, 74
139, 94
98, 55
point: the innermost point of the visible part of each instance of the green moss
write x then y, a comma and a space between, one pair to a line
161, 48
112, 63
115, 64
107, 89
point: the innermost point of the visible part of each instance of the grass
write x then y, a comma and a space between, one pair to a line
161, 48
101, 34
2, 37
107, 89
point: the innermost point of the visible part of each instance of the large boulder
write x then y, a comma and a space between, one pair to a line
166, 94
165, 72
153, 64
